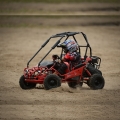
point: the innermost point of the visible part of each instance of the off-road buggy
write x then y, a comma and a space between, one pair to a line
86, 72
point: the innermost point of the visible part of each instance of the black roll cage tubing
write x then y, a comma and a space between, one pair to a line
61, 35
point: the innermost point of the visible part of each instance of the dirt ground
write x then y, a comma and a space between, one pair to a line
22, 34
17, 45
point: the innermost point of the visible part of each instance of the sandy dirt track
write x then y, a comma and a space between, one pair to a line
17, 45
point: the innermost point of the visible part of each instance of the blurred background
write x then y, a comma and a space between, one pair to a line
49, 13
25, 25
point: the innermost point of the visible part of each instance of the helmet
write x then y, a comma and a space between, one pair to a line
69, 46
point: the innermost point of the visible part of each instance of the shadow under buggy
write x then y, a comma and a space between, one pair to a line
86, 72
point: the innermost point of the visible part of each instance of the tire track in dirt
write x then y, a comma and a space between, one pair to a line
63, 103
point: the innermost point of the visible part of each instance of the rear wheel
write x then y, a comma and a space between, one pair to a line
93, 70
52, 81
25, 85
96, 82
74, 84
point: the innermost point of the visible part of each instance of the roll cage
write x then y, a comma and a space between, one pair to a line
65, 35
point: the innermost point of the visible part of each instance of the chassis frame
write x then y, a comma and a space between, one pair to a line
39, 73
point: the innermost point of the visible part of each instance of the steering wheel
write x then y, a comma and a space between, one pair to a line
55, 57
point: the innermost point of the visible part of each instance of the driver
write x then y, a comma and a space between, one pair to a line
71, 57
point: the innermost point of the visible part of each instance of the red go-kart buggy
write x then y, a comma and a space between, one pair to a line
86, 72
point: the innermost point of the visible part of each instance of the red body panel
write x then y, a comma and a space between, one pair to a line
38, 74
74, 73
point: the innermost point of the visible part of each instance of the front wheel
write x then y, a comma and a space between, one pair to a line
96, 82
25, 85
52, 81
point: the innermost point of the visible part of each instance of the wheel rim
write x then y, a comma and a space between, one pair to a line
27, 84
98, 82
52, 82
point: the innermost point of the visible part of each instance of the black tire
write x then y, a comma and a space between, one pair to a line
52, 81
93, 70
74, 84
88, 83
25, 85
96, 82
